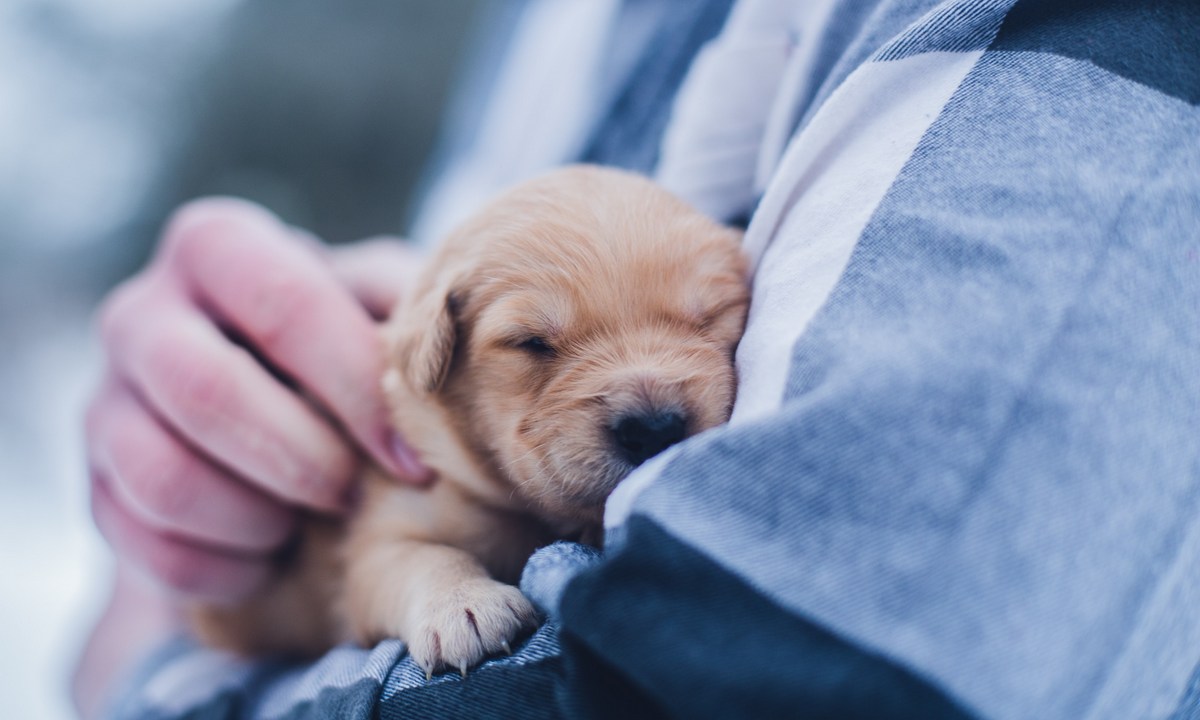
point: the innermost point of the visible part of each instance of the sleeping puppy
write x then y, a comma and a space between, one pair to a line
571, 330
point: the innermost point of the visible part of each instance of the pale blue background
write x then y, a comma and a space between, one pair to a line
112, 112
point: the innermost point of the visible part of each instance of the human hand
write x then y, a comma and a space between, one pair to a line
199, 454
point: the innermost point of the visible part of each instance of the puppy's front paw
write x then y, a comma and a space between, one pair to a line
477, 619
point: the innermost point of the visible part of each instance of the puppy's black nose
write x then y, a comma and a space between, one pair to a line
641, 436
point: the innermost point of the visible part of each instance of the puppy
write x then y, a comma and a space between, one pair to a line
571, 330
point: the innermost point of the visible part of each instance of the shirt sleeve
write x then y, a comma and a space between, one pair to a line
962, 473
185, 680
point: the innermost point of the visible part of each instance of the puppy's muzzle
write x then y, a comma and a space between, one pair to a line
639, 436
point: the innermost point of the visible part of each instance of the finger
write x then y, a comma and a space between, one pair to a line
216, 396
245, 265
378, 271
170, 488
186, 568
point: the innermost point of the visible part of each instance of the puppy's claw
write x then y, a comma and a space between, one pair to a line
504, 646
428, 674
463, 669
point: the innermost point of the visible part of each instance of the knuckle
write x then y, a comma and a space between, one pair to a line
117, 308
202, 390
195, 387
197, 224
181, 571
284, 299
196, 397
157, 476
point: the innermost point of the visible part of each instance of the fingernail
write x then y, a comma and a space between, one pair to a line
407, 462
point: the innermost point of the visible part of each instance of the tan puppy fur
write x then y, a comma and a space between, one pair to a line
571, 329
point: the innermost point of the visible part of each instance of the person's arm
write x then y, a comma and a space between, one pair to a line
138, 617
964, 465
240, 387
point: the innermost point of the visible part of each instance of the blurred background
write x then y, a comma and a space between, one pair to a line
111, 114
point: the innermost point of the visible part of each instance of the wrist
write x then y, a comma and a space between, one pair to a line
138, 618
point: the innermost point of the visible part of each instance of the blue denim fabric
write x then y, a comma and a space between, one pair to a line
550, 569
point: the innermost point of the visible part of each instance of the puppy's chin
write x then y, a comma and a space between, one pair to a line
572, 489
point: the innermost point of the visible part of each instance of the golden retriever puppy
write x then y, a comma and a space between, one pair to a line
574, 328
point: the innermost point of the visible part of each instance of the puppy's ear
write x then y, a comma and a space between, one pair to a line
421, 337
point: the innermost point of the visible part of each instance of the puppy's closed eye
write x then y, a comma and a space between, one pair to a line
536, 346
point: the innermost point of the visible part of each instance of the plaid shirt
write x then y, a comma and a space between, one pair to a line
963, 472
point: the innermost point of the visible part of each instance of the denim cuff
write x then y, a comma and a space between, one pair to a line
550, 569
